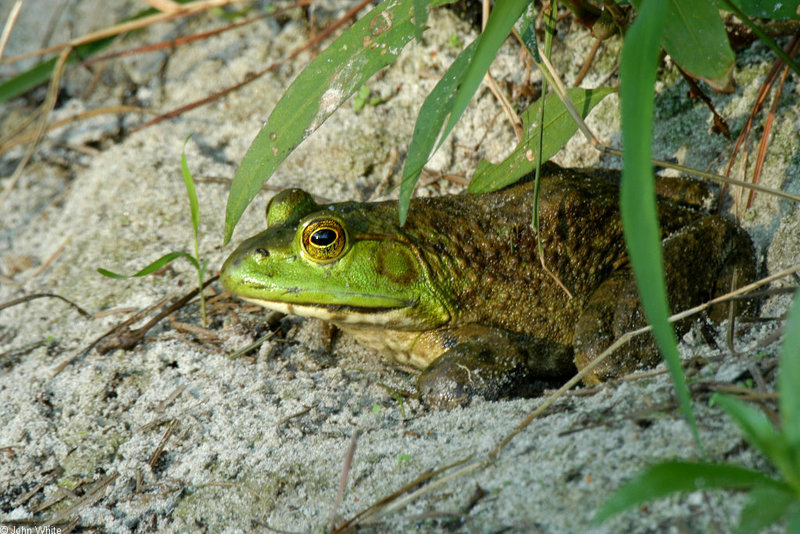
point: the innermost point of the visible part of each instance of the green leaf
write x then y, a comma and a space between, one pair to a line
156, 265
190, 191
452, 95
765, 506
558, 129
789, 377
666, 478
370, 44
760, 433
431, 117
793, 521
637, 192
499, 25
768, 9
694, 35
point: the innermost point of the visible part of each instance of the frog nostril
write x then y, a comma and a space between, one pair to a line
263, 252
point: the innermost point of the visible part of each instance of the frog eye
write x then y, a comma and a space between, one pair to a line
323, 240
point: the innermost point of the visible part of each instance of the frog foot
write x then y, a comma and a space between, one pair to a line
491, 363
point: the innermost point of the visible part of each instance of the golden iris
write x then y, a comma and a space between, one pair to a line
323, 240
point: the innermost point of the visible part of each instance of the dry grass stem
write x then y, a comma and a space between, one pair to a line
185, 11
348, 464
10, 21
167, 6
28, 137
46, 109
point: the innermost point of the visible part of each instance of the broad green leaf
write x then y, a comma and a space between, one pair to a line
190, 191
694, 35
769, 9
637, 193
431, 117
369, 45
156, 265
760, 433
789, 377
695, 38
558, 129
666, 478
765, 506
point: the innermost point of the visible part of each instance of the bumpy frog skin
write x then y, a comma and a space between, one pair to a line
459, 291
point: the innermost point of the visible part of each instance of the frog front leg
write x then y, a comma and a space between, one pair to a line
488, 362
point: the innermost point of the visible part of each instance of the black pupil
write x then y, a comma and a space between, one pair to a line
324, 237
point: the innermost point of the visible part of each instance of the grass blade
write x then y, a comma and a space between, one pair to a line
789, 377
637, 193
765, 505
431, 117
759, 432
558, 128
331, 78
497, 29
190, 192
667, 478
156, 265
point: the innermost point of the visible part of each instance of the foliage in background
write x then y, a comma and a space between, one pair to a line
168, 258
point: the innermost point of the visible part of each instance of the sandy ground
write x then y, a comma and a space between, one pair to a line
175, 435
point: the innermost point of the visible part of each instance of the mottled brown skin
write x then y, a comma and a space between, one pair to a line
484, 253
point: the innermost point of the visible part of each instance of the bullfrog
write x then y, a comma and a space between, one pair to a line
461, 290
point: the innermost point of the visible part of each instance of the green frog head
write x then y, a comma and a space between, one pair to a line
348, 263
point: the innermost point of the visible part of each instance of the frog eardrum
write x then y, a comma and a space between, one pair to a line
323, 240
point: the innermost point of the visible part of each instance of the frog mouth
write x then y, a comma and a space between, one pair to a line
386, 316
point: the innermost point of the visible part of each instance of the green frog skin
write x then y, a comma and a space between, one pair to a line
460, 292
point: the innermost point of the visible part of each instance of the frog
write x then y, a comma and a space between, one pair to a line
469, 293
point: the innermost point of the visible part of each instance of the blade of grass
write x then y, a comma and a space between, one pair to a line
789, 377
637, 193
666, 478
195, 212
765, 506
453, 93
156, 265
191, 193
431, 117
499, 25
760, 433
